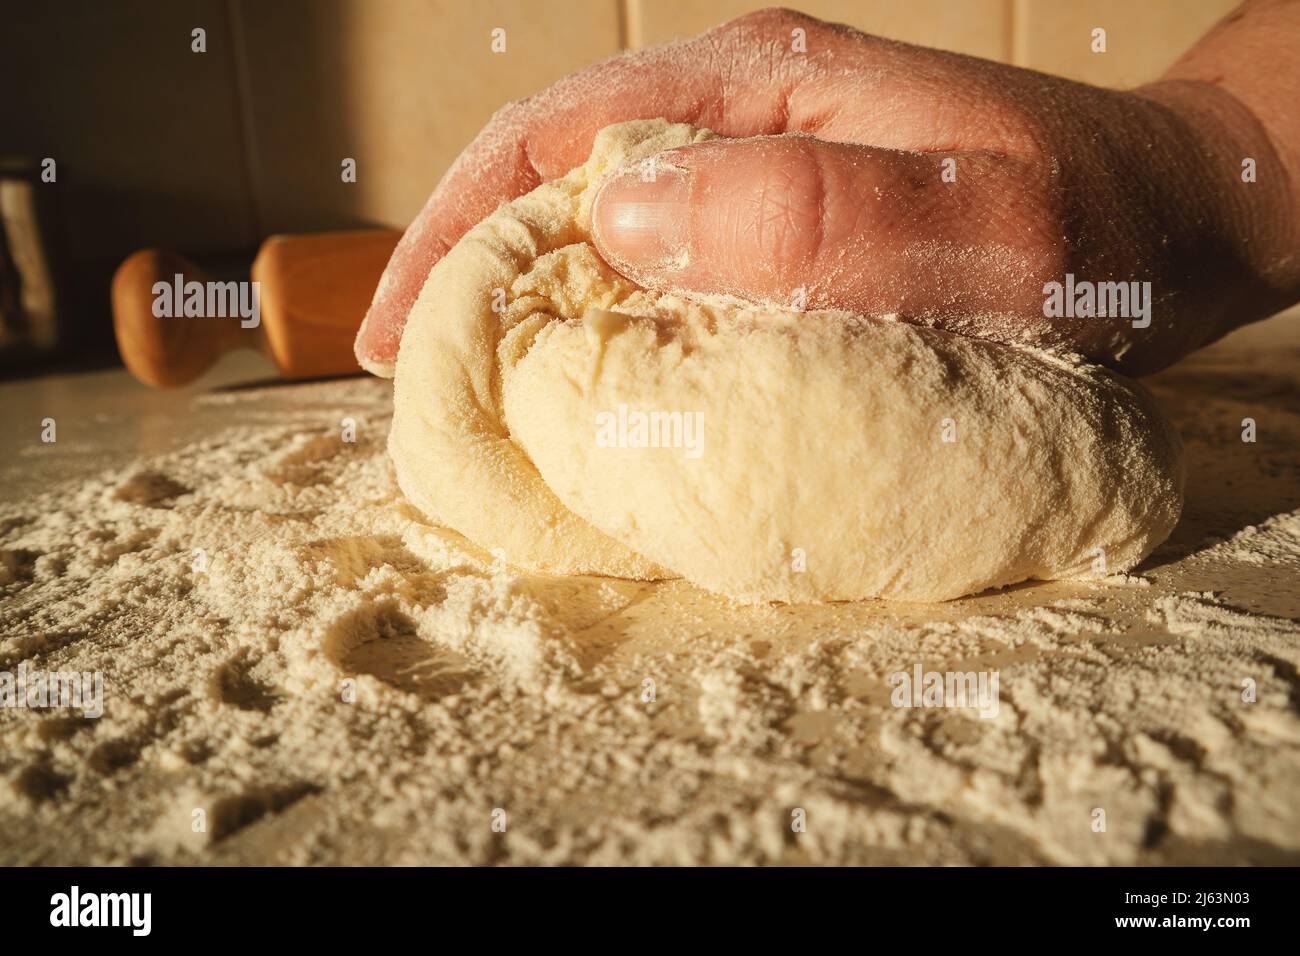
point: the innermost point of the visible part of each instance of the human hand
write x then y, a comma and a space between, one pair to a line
883, 178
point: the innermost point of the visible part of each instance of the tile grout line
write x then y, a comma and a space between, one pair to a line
1018, 32
244, 101
626, 11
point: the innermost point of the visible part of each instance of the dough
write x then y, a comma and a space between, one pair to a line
839, 457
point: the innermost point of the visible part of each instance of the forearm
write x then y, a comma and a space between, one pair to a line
1239, 87
1254, 54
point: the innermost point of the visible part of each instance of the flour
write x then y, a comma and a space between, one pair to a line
345, 682
1274, 541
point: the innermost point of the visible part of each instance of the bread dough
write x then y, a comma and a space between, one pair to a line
840, 457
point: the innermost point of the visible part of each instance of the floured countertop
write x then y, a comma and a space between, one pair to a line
335, 681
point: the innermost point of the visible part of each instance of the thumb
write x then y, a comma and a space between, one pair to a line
784, 219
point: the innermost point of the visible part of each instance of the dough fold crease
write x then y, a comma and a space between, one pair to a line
554, 412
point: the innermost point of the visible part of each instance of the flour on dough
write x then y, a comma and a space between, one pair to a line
839, 458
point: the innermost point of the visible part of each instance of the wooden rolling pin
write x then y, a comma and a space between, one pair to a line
314, 289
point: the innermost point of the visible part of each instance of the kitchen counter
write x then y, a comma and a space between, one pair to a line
1146, 718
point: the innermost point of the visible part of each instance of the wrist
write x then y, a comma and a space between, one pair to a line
1243, 192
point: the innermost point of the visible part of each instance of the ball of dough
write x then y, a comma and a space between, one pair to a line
548, 407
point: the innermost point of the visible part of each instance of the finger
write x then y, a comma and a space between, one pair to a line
795, 220
523, 145
736, 79
744, 78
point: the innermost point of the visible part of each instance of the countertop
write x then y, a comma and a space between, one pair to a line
762, 713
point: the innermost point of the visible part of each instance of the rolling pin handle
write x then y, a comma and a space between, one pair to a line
168, 350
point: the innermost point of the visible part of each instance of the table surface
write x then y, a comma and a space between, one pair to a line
105, 420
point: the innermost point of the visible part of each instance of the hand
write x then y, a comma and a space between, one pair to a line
883, 178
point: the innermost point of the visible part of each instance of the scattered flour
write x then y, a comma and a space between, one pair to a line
291, 649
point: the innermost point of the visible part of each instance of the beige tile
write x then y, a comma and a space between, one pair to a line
145, 132
979, 27
1143, 39
399, 85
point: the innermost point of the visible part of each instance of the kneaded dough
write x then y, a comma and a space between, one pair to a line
840, 457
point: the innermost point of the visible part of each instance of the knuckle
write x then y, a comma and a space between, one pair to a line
788, 202
769, 22
1036, 208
